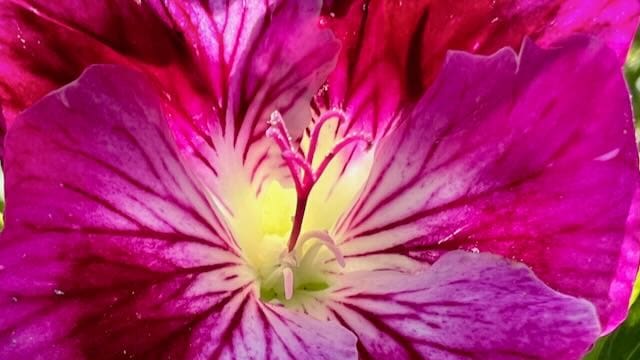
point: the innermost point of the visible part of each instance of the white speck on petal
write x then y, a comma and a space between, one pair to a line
58, 292
608, 155
64, 100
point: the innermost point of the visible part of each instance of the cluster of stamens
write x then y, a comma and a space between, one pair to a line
304, 176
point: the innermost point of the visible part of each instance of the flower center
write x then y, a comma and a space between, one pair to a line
304, 256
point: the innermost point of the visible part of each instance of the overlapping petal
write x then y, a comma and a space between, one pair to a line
46, 45
393, 50
263, 57
220, 65
112, 249
533, 158
465, 306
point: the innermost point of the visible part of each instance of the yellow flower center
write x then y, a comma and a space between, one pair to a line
286, 234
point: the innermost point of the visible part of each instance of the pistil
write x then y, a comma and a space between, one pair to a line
300, 167
304, 177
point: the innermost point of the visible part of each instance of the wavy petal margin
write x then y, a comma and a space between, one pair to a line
465, 306
393, 50
531, 157
111, 249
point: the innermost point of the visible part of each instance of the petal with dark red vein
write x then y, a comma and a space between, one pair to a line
465, 306
393, 50
111, 249
45, 45
535, 160
263, 56
214, 62
249, 329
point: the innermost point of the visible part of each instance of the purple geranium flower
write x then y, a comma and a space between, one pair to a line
279, 179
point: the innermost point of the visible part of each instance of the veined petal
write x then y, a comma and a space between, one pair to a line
538, 164
464, 306
264, 56
219, 65
106, 232
46, 45
393, 50
245, 328
112, 249
290, 335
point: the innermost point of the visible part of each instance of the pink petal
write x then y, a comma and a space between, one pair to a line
45, 45
263, 57
112, 250
393, 50
464, 306
533, 158
222, 67
107, 238
248, 329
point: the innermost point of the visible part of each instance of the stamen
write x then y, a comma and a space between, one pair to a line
304, 177
327, 241
280, 140
287, 275
278, 132
277, 122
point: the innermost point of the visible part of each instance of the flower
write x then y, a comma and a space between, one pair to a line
261, 180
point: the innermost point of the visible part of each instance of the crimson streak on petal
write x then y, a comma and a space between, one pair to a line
534, 160
112, 249
466, 306
391, 45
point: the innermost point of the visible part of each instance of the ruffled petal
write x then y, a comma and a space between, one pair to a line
274, 57
248, 329
44, 45
107, 234
112, 249
222, 67
535, 160
393, 50
464, 306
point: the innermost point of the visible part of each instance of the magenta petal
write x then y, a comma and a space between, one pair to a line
3, 133
464, 306
244, 328
222, 67
112, 250
259, 57
393, 50
44, 45
538, 164
109, 246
